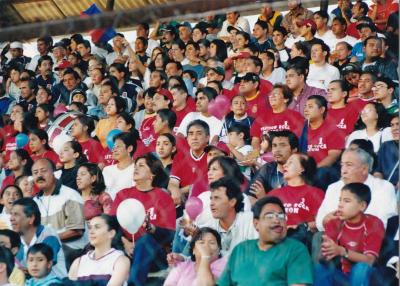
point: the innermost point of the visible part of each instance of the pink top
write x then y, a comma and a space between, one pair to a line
185, 273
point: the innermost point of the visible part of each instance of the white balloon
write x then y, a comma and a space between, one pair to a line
59, 142
131, 215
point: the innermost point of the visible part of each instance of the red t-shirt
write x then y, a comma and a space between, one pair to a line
343, 118
189, 170
352, 30
384, 11
301, 202
8, 181
10, 145
364, 237
157, 203
358, 104
49, 154
93, 150
321, 140
146, 131
190, 107
286, 120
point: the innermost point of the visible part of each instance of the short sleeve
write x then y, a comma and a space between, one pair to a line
374, 237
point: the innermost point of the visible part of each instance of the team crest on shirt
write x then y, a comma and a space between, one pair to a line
254, 109
341, 124
316, 147
352, 244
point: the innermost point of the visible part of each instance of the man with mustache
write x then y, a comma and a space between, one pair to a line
278, 259
60, 207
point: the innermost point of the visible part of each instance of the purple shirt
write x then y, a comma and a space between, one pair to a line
185, 273
299, 103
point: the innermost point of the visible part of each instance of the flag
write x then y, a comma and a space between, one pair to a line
98, 35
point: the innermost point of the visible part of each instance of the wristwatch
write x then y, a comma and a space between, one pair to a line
346, 253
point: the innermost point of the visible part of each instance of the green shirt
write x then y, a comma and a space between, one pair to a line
283, 264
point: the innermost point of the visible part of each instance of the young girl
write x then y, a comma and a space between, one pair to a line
39, 145
20, 163
238, 144
40, 263
71, 156
166, 150
25, 183
115, 106
90, 183
43, 114
9, 195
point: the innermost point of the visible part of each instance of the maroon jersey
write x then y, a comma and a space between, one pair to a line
49, 154
321, 140
286, 120
363, 237
190, 107
157, 204
343, 118
301, 202
93, 150
146, 131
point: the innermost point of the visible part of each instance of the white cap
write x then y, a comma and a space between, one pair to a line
16, 45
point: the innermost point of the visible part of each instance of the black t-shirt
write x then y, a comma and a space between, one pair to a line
68, 177
269, 176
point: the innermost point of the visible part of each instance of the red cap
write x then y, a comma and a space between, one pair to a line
308, 23
63, 65
242, 55
220, 146
166, 93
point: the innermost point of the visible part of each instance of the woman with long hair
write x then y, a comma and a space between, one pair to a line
373, 125
105, 264
159, 226
43, 113
71, 156
19, 163
90, 183
205, 265
39, 146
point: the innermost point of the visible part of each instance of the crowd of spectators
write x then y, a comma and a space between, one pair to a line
285, 132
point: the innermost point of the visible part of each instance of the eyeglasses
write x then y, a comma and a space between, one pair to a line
273, 215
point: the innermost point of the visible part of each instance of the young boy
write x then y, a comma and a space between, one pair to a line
40, 262
238, 115
238, 139
352, 236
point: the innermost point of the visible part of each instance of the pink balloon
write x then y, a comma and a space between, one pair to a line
220, 106
61, 108
193, 207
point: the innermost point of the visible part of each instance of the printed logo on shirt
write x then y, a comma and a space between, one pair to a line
294, 208
352, 244
266, 129
341, 124
316, 147
148, 140
151, 213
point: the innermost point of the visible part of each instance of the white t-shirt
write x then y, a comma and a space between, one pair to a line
348, 39
245, 150
213, 122
327, 37
277, 76
321, 76
116, 179
379, 137
291, 40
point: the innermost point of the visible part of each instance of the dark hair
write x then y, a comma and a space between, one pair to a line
15, 239
257, 62
80, 106
281, 30
258, 206
309, 168
72, 72
300, 65
77, 148
47, 108
78, 38
360, 190
370, 38
165, 58
167, 115
208, 91
320, 101
222, 51
199, 235
180, 87
287, 93
120, 68
262, 24
19, 191
120, 104
382, 120
292, 138
160, 179
112, 82
128, 139
129, 120
42, 248
45, 58
112, 224
143, 40
163, 77
240, 128
42, 136
7, 258
324, 47
200, 123
322, 14
86, 121
30, 209
49, 163
86, 44
99, 185
341, 20
230, 168
24, 155
195, 45
150, 92
232, 190
178, 64
302, 47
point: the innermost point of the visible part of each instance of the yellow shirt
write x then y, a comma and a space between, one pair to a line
17, 277
103, 127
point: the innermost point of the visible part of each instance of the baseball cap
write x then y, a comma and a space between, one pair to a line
218, 70
166, 93
16, 45
242, 55
351, 67
250, 76
185, 24
63, 65
221, 146
308, 23
168, 28
238, 29
59, 45
366, 22
386, 80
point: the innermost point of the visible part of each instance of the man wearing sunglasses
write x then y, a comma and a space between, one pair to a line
277, 260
